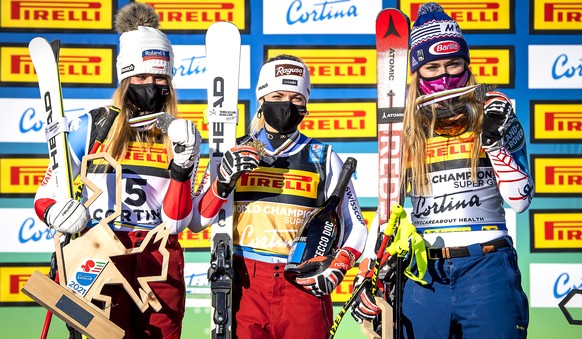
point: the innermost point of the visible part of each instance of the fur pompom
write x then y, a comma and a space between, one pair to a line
136, 14
429, 7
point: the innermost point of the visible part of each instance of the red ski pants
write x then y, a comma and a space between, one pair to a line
266, 305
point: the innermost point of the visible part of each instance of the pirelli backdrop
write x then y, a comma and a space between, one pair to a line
530, 49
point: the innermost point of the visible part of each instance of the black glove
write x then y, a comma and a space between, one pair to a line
497, 111
235, 162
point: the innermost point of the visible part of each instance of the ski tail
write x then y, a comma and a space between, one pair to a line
223, 46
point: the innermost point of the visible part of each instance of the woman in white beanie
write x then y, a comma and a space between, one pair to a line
301, 173
464, 155
157, 174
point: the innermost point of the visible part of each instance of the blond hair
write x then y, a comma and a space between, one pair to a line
121, 134
417, 127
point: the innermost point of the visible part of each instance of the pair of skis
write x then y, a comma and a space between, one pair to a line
223, 59
392, 45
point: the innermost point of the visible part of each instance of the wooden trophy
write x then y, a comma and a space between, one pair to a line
89, 266
387, 331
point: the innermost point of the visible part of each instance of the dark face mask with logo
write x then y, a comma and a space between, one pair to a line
148, 98
284, 116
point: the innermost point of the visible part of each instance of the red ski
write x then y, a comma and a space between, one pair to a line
392, 44
392, 41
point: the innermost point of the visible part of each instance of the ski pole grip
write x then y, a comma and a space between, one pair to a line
102, 134
395, 213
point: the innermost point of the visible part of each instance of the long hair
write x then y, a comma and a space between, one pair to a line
121, 134
417, 127
258, 121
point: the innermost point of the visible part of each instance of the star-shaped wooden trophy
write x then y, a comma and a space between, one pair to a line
92, 261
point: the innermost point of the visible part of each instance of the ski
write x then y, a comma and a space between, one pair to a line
222, 70
392, 40
392, 45
45, 58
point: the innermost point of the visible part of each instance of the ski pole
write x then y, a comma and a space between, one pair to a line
101, 135
396, 316
395, 213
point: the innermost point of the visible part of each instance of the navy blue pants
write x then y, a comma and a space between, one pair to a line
479, 296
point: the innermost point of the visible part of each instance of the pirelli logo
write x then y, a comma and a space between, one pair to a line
441, 149
556, 122
555, 16
191, 241
340, 120
557, 175
344, 291
57, 14
195, 112
156, 157
368, 215
77, 66
199, 15
555, 231
12, 279
21, 176
281, 181
354, 67
471, 15
493, 65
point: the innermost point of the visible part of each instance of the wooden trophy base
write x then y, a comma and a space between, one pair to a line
387, 330
70, 308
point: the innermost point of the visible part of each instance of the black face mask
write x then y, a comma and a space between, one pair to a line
284, 116
148, 97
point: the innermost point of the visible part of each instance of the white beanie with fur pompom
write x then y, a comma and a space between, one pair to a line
143, 48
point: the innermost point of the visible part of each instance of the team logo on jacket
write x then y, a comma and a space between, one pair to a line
316, 153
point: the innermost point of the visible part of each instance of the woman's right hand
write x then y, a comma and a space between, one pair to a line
236, 161
67, 216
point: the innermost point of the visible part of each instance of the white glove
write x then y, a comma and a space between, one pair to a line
67, 216
185, 142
